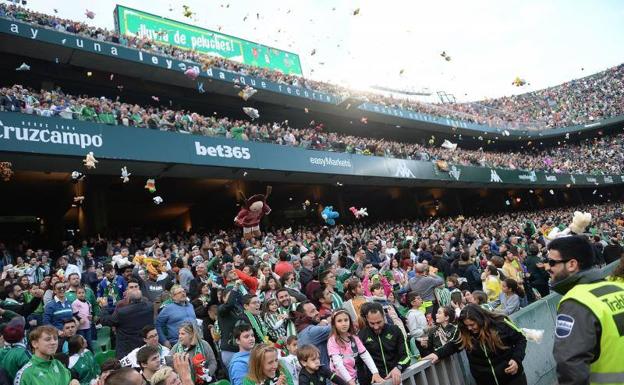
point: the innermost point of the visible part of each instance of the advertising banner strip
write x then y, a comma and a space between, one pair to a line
79, 42
132, 22
56, 136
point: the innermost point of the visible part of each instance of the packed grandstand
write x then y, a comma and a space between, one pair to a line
106, 281
595, 97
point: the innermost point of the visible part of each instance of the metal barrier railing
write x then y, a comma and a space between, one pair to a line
449, 371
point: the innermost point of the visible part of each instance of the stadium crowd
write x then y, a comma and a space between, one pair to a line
603, 154
276, 309
580, 101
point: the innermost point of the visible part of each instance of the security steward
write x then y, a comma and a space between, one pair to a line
589, 333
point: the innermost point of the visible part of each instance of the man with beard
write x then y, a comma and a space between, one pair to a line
286, 307
15, 300
311, 329
589, 334
385, 343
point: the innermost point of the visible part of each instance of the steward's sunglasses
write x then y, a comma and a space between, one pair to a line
553, 262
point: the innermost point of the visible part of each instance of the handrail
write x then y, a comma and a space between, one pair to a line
449, 371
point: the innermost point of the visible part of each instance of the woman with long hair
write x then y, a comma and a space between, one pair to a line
508, 301
270, 288
200, 353
344, 346
265, 369
494, 345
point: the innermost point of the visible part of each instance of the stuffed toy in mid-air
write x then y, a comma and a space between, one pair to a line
580, 221
251, 213
359, 213
329, 215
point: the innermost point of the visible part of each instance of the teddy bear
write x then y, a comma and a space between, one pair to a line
329, 215
580, 221
251, 213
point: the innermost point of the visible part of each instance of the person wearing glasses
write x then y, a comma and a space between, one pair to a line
173, 315
495, 347
59, 309
589, 333
150, 337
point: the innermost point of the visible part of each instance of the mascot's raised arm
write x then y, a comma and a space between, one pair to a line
251, 213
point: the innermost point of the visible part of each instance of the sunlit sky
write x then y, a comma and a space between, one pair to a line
490, 41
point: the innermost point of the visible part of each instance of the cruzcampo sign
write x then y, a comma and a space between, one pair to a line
56, 136
135, 23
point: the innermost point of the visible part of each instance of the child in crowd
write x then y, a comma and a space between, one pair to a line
481, 299
239, 365
312, 373
81, 360
416, 320
343, 347
290, 361
274, 319
445, 329
82, 309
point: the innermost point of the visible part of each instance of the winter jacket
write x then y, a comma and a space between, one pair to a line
171, 317
469, 271
388, 348
39, 371
129, 320
486, 363
227, 315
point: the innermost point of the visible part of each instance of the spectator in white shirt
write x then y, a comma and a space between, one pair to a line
68, 267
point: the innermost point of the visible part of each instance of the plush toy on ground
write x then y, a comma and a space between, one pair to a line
359, 213
251, 213
329, 215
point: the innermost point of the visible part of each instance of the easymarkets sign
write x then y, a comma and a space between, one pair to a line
79, 42
25, 133
135, 23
